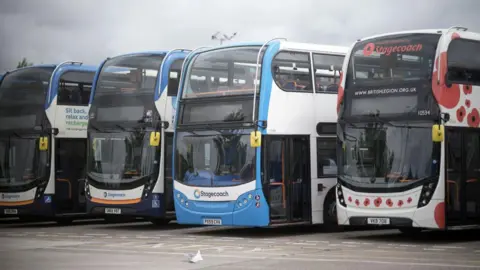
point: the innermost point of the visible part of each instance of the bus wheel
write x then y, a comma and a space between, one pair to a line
330, 212
160, 221
410, 230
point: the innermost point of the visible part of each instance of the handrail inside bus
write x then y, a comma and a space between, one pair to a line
255, 81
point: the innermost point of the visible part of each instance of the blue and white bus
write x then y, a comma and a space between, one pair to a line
130, 134
255, 135
43, 131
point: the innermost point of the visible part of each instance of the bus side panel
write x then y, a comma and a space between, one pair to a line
324, 109
160, 105
50, 112
71, 121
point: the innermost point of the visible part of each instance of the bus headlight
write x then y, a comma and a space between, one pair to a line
340, 197
427, 193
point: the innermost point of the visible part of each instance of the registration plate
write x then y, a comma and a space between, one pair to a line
378, 221
10, 211
212, 221
115, 211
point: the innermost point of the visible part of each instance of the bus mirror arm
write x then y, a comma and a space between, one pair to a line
445, 117
447, 80
55, 131
261, 123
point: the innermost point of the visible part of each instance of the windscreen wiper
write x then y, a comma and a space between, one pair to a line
350, 123
95, 128
376, 116
210, 127
121, 127
16, 134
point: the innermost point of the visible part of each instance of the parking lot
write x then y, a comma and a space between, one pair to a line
144, 246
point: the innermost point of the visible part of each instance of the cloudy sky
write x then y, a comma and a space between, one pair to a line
49, 31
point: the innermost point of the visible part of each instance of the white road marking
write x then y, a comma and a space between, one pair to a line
312, 259
434, 249
447, 247
96, 234
16, 234
47, 235
79, 236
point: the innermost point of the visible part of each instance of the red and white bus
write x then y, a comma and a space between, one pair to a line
408, 131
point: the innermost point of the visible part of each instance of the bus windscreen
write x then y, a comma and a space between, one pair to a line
223, 72
22, 97
126, 84
398, 58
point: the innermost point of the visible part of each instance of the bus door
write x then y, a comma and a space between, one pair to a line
298, 178
287, 178
462, 176
70, 160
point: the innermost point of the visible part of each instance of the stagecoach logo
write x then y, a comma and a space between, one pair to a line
113, 195
10, 196
198, 193
389, 49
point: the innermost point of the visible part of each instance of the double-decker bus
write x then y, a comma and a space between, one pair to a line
255, 135
43, 130
130, 133
408, 131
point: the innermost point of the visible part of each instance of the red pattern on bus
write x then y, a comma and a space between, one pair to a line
439, 215
473, 118
461, 112
448, 97
340, 92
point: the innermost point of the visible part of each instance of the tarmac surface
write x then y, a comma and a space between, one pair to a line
141, 245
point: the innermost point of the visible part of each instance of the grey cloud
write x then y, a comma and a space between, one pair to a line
50, 31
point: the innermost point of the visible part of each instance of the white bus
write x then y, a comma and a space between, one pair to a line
408, 131
43, 131
255, 137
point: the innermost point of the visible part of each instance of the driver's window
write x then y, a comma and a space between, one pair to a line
327, 69
463, 62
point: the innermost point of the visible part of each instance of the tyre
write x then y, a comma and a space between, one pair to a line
330, 220
64, 221
160, 221
410, 230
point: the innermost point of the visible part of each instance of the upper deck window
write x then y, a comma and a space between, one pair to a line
327, 72
223, 72
27, 86
174, 77
74, 88
125, 88
22, 97
464, 61
390, 59
292, 71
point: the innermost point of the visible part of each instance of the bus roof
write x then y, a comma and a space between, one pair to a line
284, 44
162, 52
419, 31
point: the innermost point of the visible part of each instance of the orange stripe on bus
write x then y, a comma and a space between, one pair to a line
103, 201
16, 203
